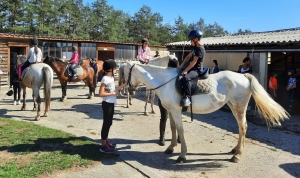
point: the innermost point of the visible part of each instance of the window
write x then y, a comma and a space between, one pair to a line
125, 52
88, 50
269, 58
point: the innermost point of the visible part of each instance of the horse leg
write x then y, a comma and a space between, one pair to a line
91, 88
36, 94
240, 116
128, 99
170, 148
152, 102
34, 102
64, 90
24, 98
147, 98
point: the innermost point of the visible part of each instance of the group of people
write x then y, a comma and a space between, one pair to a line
108, 91
35, 56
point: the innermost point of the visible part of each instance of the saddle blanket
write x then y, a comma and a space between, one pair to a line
78, 69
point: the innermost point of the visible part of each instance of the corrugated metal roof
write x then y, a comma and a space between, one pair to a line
279, 36
53, 38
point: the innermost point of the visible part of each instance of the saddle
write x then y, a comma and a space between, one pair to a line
78, 69
199, 85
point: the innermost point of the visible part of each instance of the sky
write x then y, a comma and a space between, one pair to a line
256, 15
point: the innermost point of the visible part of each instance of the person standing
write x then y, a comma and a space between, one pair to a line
214, 67
291, 86
16, 85
273, 86
144, 53
246, 66
157, 54
108, 92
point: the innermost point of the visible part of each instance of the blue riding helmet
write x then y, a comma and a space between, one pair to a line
195, 34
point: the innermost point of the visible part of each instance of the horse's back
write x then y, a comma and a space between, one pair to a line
35, 74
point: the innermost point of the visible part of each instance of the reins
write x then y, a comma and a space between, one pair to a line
151, 89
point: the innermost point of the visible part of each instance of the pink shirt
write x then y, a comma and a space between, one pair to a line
74, 58
144, 56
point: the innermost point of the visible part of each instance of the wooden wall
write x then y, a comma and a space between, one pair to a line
4, 62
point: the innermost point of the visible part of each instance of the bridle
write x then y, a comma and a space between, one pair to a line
130, 85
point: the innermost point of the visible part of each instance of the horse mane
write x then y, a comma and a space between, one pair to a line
158, 67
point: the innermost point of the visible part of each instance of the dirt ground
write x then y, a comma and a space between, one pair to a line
209, 138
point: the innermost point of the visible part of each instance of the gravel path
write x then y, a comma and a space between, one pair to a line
267, 153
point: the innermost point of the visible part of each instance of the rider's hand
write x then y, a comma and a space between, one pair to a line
184, 73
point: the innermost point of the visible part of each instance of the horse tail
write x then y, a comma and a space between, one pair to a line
47, 85
121, 75
270, 110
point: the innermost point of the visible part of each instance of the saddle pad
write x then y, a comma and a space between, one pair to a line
198, 87
78, 69
203, 86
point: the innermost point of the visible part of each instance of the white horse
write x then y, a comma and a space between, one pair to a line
159, 61
229, 88
36, 75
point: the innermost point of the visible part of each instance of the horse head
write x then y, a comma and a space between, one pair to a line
130, 76
50, 60
20, 60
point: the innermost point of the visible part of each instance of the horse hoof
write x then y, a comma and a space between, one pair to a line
46, 115
181, 160
168, 151
37, 118
233, 150
153, 112
23, 109
34, 109
234, 159
63, 99
90, 97
146, 114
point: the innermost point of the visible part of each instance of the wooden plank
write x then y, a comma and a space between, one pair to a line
3, 46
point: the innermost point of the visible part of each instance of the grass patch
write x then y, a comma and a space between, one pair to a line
93, 133
70, 126
45, 149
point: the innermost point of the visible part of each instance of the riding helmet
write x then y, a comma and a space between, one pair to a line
109, 64
33, 41
144, 40
74, 48
195, 34
9, 93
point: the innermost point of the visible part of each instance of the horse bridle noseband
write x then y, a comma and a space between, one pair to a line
130, 85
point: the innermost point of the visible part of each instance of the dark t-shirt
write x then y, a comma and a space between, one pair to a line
198, 51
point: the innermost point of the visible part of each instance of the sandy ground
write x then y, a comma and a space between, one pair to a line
267, 153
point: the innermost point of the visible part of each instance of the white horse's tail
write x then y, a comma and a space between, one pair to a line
47, 86
121, 75
271, 111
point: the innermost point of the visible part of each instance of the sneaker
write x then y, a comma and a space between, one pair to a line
185, 101
19, 102
106, 149
109, 145
15, 102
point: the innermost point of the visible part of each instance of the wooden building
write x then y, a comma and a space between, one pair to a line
12, 45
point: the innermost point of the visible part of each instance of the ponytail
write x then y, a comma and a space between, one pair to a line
36, 50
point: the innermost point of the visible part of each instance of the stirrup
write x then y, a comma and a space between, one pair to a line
185, 102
